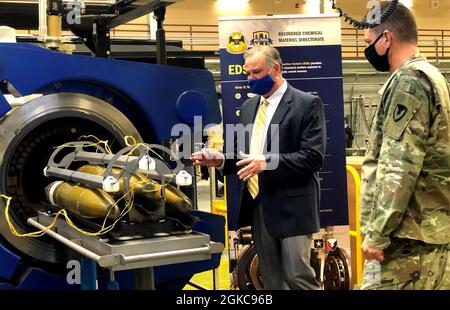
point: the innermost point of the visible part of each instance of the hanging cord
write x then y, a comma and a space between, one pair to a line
99, 142
131, 141
364, 25
104, 229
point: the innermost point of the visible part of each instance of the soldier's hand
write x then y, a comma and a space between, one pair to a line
372, 253
254, 164
208, 157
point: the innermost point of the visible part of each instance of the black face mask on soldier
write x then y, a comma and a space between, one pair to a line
380, 63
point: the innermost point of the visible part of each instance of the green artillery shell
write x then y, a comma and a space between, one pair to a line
82, 200
143, 186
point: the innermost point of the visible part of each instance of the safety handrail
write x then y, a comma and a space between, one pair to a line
357, 232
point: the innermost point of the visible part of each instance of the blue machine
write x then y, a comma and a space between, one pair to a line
86, 95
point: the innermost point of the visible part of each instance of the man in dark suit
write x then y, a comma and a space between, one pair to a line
278, 170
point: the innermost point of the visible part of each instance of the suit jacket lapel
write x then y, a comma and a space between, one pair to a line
253, 109
282, 109
248, 117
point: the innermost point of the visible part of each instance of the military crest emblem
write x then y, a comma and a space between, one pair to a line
331, 244
261, 38
236, 43
318, 243
399, 112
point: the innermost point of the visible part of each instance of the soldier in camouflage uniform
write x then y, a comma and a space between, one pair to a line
405, 194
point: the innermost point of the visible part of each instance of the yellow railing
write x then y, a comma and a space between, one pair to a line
356, 233
219, 207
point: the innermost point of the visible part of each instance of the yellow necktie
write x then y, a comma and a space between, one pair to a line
256, 145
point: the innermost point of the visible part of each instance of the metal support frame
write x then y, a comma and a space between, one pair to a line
144, 279
358, 259
213, 191
138, 11
94, 34
94, 30
161, 57
140, 254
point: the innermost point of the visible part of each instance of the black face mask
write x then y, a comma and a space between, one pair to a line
380, 63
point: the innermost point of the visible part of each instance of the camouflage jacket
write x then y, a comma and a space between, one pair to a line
405, 189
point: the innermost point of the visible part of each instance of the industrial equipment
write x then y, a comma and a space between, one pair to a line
74, 97
332, 270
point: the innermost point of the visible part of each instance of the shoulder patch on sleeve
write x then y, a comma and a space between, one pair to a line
405, 102
399, 117
399, 112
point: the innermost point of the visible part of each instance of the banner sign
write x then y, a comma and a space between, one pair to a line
310, 47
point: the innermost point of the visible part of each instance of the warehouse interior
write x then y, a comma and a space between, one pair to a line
134, 58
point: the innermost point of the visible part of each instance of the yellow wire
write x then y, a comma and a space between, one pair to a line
136, 145
32, 234
148, 148
104, 229
104, 142
131, 138
63, 212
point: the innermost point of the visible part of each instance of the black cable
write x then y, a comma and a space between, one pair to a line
364, 25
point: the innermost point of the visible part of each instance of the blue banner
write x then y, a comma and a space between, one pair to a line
310, 48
